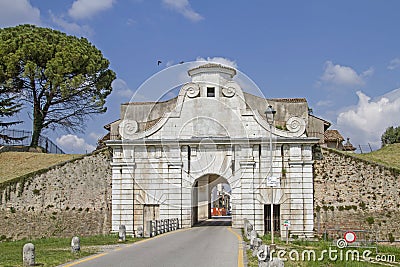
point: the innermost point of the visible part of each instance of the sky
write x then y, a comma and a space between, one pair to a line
342, 56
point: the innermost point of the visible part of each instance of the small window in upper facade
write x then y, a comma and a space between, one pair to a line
210, 91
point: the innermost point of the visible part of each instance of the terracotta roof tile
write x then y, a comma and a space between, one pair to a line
333, 135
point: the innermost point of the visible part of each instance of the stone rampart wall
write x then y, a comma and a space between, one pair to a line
75, 198
351, 193
70, 199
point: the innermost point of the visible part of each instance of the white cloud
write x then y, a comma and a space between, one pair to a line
368, 72
71, 27
183, 7
95, 136
394, 64
82, 9
121, 88
324, 103
130, 22
366, 122
17, 12
219, 60
73, 144
343, 75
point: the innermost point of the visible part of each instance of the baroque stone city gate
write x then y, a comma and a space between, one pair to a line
165, 155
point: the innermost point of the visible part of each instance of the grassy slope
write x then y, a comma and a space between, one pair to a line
15, 164
55, 251
388, 156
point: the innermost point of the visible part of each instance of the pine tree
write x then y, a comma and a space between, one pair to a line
391, 136
62, 78
9, 106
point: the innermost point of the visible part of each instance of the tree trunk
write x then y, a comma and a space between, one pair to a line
37, 126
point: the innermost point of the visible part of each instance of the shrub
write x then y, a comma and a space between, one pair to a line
391, 238
36, 192
370, 220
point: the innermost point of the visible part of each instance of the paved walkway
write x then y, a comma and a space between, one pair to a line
216, 221
199, 246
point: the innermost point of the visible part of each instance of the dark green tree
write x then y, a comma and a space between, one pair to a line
8, 108
62, 78
391, 136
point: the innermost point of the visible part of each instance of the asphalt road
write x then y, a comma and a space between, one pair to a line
198, 246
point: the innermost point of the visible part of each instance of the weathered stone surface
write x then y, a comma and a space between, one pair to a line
264, 258
253, 236
139, 231
349, 192
274, 263
71, 199
212, 132
248, 227
28, 255
122, 233
75, 244
257, 243
263, 253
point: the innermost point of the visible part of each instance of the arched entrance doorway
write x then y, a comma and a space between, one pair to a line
211, 199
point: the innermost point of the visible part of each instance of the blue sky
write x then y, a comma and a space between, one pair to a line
342, 56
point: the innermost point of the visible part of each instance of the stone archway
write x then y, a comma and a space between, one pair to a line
201, 196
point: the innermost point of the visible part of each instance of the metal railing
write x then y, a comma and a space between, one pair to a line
364, 148
23, 138
158, 227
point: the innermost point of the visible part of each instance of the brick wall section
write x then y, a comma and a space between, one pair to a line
349, 192
71, 199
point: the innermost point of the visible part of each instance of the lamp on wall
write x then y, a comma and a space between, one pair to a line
270, 114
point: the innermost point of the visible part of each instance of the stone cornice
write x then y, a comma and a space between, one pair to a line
214, 140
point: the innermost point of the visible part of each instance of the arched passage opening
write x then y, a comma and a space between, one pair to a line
211, 201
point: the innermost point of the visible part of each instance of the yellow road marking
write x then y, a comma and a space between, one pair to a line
240, 252
86, 259
127, 246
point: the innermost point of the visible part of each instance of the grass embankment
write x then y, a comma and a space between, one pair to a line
387, 156
319, 246
16, 164
55, 251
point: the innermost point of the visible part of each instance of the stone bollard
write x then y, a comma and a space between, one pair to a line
28, 254
139, 231
273, 263
75, 244
249, 229
253, 236
264, 258
122, 233
263, 254
245, 222
256, 245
